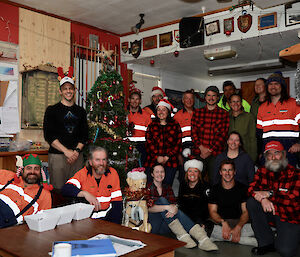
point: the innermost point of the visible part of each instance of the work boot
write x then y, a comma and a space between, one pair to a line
181, 234
204, 243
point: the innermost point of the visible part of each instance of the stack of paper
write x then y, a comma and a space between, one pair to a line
91, 248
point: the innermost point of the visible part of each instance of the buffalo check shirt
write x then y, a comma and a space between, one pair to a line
286, 188
210, 129
167, 192
163, 140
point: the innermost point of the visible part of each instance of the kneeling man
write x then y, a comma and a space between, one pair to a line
99, 185
275, 200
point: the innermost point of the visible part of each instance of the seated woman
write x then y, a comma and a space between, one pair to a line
243, 162
165, 216
193, 193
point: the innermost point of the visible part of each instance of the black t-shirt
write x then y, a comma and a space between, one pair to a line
193, 201
228, 200
68, 124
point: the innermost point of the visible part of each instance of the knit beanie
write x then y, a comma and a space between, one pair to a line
277, 77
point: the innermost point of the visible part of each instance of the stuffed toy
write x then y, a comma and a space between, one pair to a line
136, 195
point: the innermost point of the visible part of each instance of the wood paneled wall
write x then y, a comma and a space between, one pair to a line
43, 39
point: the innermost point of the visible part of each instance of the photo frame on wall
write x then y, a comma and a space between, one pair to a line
267, 21
150, 42
212, 28
292, 15
165, 39
228, 25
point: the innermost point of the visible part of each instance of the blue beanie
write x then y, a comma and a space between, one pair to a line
277, 77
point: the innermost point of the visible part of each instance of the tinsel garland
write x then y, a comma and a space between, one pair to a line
297, 83
105, 128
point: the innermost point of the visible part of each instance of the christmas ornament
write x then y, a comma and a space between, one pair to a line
228, 33
115, 153
176, 53
105, 54
99, 96
110, 98
152, 62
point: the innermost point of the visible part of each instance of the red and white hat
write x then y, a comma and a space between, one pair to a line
274, 145
63, 79
166, 103
137, 173
158, 90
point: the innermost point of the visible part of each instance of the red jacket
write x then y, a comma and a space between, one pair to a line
141, 119
184, 118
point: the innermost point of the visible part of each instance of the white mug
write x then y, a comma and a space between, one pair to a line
62, 250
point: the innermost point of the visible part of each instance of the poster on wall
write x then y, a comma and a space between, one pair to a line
9, 112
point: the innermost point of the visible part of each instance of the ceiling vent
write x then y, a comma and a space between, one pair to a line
219, 53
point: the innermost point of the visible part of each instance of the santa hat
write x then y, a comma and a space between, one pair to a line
193, 164
137, 173
64, 79
133, 89
166, 103
158, 90
29, 159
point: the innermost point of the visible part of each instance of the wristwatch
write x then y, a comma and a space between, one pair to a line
271, 193
77, 149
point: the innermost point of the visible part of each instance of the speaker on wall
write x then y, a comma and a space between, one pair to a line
191, 31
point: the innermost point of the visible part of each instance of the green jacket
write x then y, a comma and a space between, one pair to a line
245, 124
227, 107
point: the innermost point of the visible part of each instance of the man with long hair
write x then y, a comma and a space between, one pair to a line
279, 117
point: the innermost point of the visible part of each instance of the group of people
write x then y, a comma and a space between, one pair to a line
215, 149
230, 138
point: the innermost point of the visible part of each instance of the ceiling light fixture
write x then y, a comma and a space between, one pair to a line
137, 27
219, 53
245, 67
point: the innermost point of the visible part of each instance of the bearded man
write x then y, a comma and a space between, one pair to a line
25, 192
99, 185
275, 201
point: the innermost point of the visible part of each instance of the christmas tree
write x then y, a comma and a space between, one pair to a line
107, 118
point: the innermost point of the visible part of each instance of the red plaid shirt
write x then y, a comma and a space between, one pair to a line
210, 129
286, 187
167, 192
163, 141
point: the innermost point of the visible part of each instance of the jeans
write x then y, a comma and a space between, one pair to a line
288, 234
159, 222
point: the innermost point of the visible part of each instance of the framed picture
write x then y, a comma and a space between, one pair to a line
228, 25
292, 14
267, 21
212, 28
165, 39
149, 42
